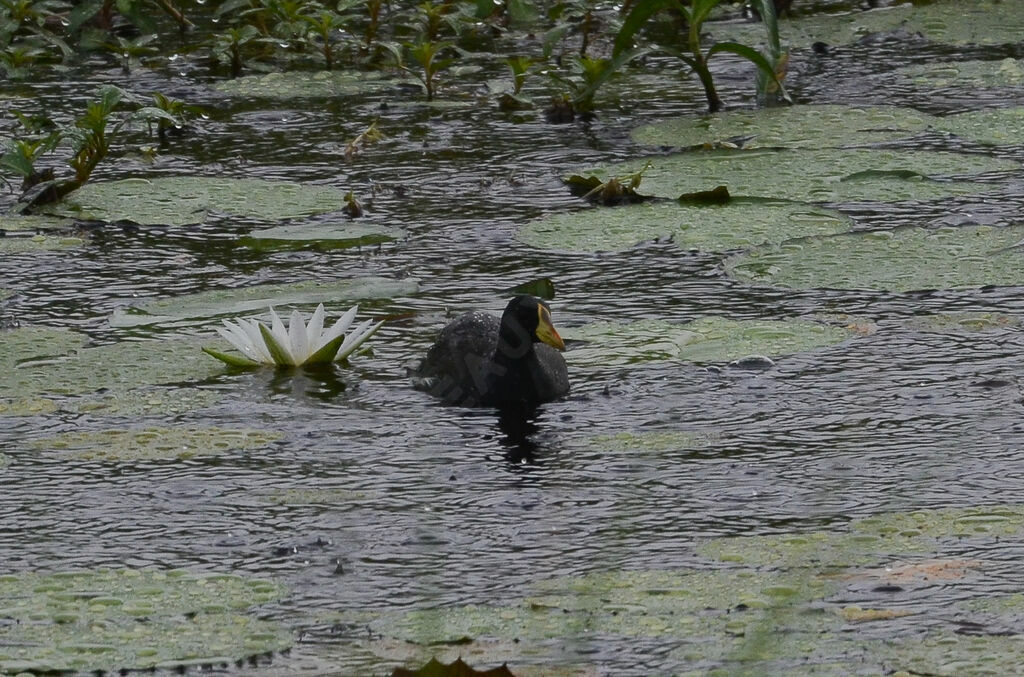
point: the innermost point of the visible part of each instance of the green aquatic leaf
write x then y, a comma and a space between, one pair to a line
154, 443
735, 225
301, 85
993, 127
257, 297
897, 261
183, 200
321, 236
821, 126
38, 242
819, 175
705, 340
974, 74
17, 223
981, 22
132, 619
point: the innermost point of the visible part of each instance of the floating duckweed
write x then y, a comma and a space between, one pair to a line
132, 619
183, 200
789, 127
735, 225
903, 260
257, 297
705, 340
155, 443
812, 175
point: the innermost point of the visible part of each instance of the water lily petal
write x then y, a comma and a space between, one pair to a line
357, 337
297, 338
251, 328
237, 337
280, 335
315, 329
341, 325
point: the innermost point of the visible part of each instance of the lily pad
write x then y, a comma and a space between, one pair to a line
27, 406
304, 85
182, 200
155, 443
132, 619
115, 368
321, 236
982, 22
242, 300
902, 260
822, 175
735, 225
1008, 72
27, 345
826, 126
148, 401
705, 340
17, 223
995, 127
961, 322
39, 242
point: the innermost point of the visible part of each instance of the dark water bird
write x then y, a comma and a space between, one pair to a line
480, 360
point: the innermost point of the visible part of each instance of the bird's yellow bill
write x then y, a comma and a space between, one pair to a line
546, 331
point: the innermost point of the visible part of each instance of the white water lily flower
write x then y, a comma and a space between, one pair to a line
298, 344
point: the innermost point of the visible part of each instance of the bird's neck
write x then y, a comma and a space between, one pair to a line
514, 344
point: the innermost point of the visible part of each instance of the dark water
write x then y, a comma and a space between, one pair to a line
437, 506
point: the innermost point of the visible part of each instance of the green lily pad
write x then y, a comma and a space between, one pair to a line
827, 126
995, 127
27, 406
322, 236
902, 260
5, 293
132, 619
258, 297
17, 223
975, 74
39, 242
961, 322
735, 225
27, 345
982, 22
870, 540
183, 200
705, 340
115, 368
148, 401
305, 85
823, 175
155, 443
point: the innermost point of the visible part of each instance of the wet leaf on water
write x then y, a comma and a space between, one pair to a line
974, 74
300, 84
322, 236
710, 228
132, 619
16, 223
982, 22
813, 175
824, 126
148, 401
961, 322
155, 443
652, 441
896, 261
258, 297
183, 200
37, 243
994, 127
457, 668
705, 340
27, 406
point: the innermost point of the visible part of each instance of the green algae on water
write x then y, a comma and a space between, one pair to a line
183, 200
705, 340
709, 228
154, 443
132, 619
897, 261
